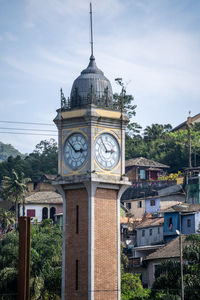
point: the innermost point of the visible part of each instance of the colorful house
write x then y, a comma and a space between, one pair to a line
190, 220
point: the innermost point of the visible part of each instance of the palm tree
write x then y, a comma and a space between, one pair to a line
14, 188
6, 219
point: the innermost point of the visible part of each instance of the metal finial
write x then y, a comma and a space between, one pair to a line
91, 29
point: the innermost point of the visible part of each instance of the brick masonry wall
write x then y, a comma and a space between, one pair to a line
76, 245
105, 258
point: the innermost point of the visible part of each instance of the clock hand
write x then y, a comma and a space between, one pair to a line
73, 148
104, 145
110, 151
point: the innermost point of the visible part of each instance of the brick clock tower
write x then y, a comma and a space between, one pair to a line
91, 167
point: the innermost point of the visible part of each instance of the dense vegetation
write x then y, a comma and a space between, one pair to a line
167, 284
7, 150
46, 262
43, 160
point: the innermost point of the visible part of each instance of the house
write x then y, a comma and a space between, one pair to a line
190, 120
150, 231
42, 205
165, 198
143, 169
190, 220
169, 251
43, 184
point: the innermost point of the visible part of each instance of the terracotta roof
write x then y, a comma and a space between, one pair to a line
44, 197
144, 162
126, 220
170, 250
151, 222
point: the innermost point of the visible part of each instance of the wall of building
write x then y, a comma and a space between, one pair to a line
40, 186
170, 229
106, 250
136, 210
151, 269
197, 221
38, 210
188, 224
36, 207
149, 208
76, 245
147, 239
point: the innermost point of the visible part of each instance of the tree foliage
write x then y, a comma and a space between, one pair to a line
14, 188
46, 262
170, 148
6, 220
43, 160
168, 273
131, 287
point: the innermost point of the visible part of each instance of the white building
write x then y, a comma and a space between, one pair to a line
42, 205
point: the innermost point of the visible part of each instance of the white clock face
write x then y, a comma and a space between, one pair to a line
75, 151
107, 151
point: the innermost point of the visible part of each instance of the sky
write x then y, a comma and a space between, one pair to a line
154, 45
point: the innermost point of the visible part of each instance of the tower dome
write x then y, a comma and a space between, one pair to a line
91, 87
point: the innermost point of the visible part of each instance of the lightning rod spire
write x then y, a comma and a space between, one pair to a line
91, 29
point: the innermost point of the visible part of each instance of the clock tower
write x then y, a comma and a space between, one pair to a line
91, 167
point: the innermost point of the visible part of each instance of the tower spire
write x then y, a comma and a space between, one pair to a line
91, 30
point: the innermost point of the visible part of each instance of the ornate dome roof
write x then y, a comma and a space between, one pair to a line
91, 87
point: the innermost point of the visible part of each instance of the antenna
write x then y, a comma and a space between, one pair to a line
91, 29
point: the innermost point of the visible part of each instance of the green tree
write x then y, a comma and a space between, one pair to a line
131, 287
156, 131
14, 189
46, 262
6, 219
168, 274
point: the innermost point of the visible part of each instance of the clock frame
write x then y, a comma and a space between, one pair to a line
107, 151
75, 151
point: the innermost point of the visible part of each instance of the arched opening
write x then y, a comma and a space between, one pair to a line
44, 213
52, 213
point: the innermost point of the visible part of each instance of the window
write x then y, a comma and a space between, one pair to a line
44, 213
77, 219
31, 213
152, 202
76, 279
139, 204
188, 222
158, 230
150, 231
128, 205
155, 270
170, 224
142, 174
52, 213
143, 232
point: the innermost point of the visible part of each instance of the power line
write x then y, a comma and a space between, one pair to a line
24, 133
27, 129
29, 123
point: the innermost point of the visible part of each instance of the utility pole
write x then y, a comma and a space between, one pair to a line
181, 257
24, 259
189, 141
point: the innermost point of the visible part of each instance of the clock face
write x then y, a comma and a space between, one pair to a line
75, 151
107, 151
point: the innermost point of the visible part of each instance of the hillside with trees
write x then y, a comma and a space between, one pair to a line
7, 150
